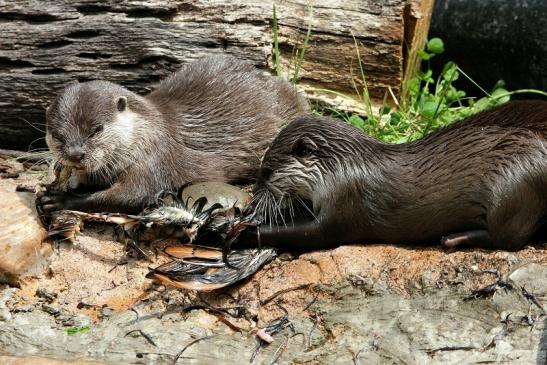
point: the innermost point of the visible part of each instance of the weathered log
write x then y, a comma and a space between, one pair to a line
418, 15
46, 44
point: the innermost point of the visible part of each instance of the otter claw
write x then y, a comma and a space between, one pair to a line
49, 208
50, 204
46, 199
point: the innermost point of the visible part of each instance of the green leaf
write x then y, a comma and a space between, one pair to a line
385, 109
395, 117
435, 45
357, 121
498, 98
71, 331
414, 87
426, 76
424, 55
453, 94
481, 104
414, 136
428, 109
450, 72
500, 84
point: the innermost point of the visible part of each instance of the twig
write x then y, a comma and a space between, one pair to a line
136, 312
451, 348
310, 303
221, 310
179, 354
119, 263
531, 297
147, 337
357, 354
140, 355
283, 291
491, 289
223, 319
280, 350
271, 329
312, 329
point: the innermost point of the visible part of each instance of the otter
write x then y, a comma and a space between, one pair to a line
481, 181
212, 120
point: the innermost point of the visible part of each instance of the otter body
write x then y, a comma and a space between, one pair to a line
211, 120
481, 181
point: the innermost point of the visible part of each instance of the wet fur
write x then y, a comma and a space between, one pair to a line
482, 180
211, 120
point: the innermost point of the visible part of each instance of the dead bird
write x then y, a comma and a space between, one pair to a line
204, 268
207, 216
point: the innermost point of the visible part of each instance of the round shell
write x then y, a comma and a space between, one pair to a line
215, 192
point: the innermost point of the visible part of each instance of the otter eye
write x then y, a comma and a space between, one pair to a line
56, 137
303, 148
96, 130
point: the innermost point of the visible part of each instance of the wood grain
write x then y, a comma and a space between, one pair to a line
136, 43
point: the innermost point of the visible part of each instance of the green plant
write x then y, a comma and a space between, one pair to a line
431, 101
71, 331
300, 53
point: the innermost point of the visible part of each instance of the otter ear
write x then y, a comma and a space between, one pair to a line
121, 103
303, 147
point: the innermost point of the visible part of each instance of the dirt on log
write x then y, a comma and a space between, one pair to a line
44, 45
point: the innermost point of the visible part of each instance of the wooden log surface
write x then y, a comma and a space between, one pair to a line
45, 44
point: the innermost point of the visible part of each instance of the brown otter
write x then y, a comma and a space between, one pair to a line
210, 120
481, 181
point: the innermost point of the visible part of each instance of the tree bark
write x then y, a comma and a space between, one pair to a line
134, 43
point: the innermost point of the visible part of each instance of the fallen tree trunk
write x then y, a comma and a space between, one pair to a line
135, 43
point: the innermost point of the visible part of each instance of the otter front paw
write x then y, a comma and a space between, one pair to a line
53, 202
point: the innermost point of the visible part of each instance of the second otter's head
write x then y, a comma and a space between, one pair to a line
305, 159
91, 126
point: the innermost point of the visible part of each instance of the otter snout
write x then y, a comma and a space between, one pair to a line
75, 153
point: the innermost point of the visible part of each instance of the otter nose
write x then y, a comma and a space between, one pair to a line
75, 153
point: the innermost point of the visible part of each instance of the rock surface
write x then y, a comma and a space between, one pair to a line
22, 252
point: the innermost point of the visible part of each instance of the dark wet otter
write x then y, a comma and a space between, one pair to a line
481, 181
211, 120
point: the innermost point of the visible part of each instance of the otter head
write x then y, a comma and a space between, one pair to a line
298, 163
91, 127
